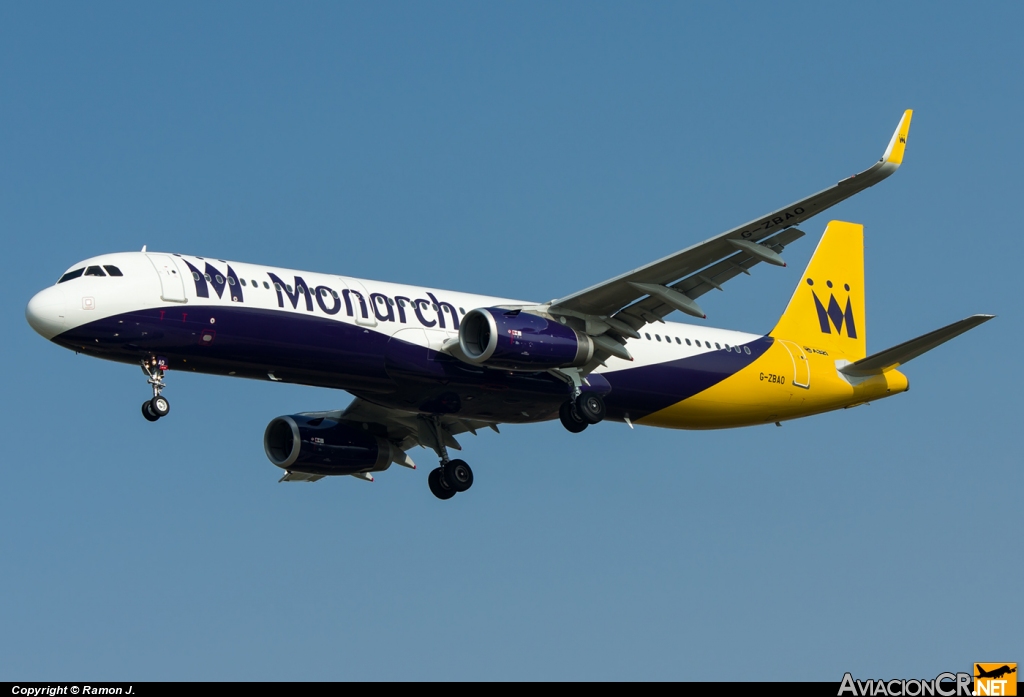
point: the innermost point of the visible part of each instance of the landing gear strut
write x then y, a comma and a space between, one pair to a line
158, 406
451, 476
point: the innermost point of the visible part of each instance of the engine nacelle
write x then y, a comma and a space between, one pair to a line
517, 340
317, 445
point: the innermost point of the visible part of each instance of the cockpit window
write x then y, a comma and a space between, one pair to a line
71, 274
94, 271
113, 270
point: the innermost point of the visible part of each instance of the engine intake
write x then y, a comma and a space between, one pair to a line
318, 445
518, 340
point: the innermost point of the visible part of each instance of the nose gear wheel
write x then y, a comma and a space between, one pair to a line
157, 407
147, 412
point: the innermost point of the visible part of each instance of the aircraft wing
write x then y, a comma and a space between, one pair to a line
407, 428
403, 428
651, 292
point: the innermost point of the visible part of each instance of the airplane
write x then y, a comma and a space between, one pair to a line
995, 673
426, 365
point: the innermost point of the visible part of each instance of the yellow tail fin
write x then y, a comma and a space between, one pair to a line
827, 308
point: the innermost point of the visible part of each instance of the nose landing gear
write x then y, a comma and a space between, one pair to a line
158, 406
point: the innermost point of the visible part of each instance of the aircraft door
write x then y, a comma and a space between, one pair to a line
412, 353
172, 285
801, 366
360, 300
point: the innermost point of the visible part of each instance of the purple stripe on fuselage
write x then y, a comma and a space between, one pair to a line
223, 338
647, 389
300, 348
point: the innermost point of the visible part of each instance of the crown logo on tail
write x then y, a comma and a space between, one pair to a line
835, 316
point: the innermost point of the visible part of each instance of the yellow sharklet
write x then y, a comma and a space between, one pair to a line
894, 153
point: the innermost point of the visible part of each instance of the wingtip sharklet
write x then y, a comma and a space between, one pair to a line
898, 142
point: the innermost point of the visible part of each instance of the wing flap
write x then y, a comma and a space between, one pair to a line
408, 429
300, 477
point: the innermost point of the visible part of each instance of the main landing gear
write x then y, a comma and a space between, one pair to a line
451, 476
158, 407
582, 408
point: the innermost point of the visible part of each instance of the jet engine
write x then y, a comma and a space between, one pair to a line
515, 340
317, 445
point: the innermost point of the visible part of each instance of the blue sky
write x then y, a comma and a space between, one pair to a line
525, 150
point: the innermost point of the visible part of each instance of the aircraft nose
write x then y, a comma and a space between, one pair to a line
45, 312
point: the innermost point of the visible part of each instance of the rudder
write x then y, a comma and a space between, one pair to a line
827, 308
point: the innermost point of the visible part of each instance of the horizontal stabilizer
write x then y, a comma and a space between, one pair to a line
898, 355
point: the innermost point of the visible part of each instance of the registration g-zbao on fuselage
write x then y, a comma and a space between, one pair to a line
426, 365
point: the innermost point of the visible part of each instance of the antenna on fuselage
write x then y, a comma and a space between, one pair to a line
143, 247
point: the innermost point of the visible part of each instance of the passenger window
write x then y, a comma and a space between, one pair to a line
242, 281
94, 271
207, 277
746, 350
717, 346
688, 343
708, 344
678, 341
113, 270
301, 289
277, 287
658, 337
335, 294
288, 286
220, 279
648, 336
71, 274
195, 275
231, 281
255, 284
461, 311
267, 285
401, 303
